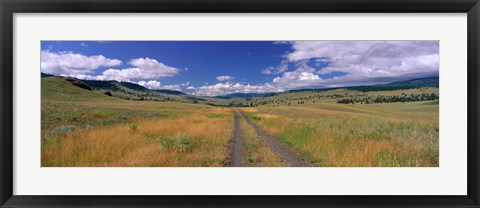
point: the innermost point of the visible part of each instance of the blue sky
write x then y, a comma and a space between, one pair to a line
222, 67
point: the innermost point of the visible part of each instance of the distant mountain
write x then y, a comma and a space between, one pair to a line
400, 85
242, 95
421, 82
171, 92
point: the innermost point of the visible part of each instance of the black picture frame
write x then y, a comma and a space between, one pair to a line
10, 7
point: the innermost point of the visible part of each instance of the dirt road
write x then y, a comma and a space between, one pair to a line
237, 151
287, 155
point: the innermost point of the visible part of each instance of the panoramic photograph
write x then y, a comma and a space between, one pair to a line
240, 103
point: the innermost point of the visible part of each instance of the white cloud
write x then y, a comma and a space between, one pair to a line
159, 69
145, 68
135, 73
369, 57
73, 63
225, 78
172, 87
298, 79
229, 88
156, 85
191, 88
360, 62
152, 84
185, 84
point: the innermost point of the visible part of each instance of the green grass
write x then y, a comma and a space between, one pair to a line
212, 115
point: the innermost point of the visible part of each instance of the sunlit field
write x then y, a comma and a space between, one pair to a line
331, 134
144, 134
87, 128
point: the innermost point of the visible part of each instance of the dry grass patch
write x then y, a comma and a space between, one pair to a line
194, 140
403, 135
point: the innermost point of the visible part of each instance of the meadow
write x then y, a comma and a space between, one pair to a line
144, 134
83, 128
88, 128
373, 135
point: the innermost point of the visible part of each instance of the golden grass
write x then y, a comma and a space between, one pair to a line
257, 152
124, 145
357, 135
122, 133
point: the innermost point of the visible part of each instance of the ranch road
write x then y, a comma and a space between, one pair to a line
237, 151
285, 153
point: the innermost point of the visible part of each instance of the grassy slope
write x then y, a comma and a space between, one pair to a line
58, 88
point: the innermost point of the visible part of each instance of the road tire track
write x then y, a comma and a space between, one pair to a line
285, 153
236, 159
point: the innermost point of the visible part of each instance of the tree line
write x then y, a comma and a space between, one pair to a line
390, 99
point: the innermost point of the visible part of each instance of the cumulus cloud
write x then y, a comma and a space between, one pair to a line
359, 62
156, 85
298, 79
225, 78
152, 84
155, 67
145, 69
229, 88
73, 63
371, 58
172, 87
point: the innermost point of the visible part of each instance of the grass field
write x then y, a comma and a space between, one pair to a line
330, 134
89, 128
113, 132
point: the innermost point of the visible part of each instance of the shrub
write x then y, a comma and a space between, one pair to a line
134, 128
122, 117
167, 143
178, 142
62, 130
108, 93
51, 140
252, 159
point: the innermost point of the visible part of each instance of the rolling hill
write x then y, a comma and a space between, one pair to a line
55, 87
66, 88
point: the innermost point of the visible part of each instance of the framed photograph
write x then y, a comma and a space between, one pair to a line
266, 103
